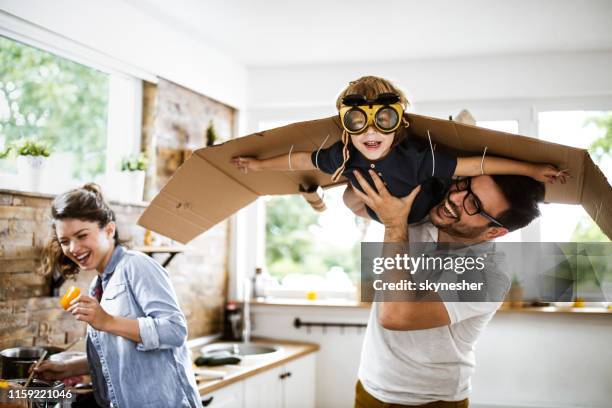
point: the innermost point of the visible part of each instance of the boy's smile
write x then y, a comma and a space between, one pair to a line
373, 144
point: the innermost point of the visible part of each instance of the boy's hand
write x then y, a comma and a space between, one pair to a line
547, 173
245, 164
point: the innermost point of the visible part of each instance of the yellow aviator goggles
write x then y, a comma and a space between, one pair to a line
357, 113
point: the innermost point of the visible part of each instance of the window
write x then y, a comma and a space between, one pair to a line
590, 130
311, 251
82, 115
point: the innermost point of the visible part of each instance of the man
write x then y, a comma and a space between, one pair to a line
421, 353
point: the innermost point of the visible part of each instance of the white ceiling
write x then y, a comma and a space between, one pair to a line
285, 32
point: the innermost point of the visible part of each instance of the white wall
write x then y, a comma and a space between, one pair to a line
128, 35
522, 360
309, 91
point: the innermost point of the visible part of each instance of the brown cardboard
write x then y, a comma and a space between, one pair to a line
207, 188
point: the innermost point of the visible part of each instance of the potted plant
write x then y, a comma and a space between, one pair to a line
31, 160
211, 134
133, 176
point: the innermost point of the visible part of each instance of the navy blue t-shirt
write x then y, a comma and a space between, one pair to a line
406, 166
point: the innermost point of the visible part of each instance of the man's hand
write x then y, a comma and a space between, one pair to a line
391, 211
87, 309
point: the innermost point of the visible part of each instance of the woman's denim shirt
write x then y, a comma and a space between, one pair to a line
158, 371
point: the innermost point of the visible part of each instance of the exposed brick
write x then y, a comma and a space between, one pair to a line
6, 199
18, 265
12, 252
13, 321
17, 213
31, 330
37, 202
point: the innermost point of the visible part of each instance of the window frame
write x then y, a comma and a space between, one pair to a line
125, 83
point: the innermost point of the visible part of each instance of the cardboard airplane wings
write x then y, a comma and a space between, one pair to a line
207, 188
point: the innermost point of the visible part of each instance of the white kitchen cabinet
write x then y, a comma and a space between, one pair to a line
299, 383
264, 390
291, 385
231, 396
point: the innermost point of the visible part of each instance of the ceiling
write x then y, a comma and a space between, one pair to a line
276, 32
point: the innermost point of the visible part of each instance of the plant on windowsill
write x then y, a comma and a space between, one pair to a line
31, 162
211, 134
132, 177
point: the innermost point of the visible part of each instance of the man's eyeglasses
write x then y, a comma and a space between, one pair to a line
471, 202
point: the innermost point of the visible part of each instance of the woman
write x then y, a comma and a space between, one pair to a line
136, 332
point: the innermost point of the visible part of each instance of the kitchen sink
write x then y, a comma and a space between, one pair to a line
241, 349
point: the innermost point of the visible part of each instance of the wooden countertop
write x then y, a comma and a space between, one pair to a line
248, 367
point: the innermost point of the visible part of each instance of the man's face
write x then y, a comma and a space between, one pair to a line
450, 215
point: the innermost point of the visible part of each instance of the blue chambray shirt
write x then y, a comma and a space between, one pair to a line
158, 371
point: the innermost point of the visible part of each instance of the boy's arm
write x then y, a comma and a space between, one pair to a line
471, 166
299, 161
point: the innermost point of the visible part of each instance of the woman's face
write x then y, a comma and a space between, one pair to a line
85, 243
373, 144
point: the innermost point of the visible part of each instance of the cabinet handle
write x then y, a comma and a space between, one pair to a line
282, 376
288, 374
206, 402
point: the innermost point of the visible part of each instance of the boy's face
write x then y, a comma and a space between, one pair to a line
373, 144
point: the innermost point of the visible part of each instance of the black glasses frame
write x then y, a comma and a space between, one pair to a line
466, 185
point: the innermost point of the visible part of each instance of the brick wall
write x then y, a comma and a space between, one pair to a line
30, 316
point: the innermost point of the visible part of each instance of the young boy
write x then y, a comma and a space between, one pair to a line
375, 137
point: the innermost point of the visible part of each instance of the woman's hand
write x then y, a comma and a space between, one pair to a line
245, 164
87, 309
53, 370
547, 173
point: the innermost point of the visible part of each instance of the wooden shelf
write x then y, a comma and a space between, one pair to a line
170, 250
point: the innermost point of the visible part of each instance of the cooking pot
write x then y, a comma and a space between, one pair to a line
15, 362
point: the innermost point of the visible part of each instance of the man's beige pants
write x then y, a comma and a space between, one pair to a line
365, 400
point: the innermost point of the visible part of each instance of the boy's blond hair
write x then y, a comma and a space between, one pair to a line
371, 87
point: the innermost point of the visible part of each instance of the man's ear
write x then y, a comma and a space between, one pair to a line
495, 232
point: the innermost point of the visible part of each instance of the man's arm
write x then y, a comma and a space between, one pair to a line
393, 213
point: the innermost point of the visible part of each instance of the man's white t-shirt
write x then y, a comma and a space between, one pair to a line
416, 367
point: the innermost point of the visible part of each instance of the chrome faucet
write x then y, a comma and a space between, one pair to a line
246, 312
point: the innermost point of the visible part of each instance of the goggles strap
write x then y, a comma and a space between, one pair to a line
482, 160
317, 155
345, 156
290, 150
433, 156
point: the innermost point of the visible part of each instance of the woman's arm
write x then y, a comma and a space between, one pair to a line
299, 161
58, 370
163, 324
471, 166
